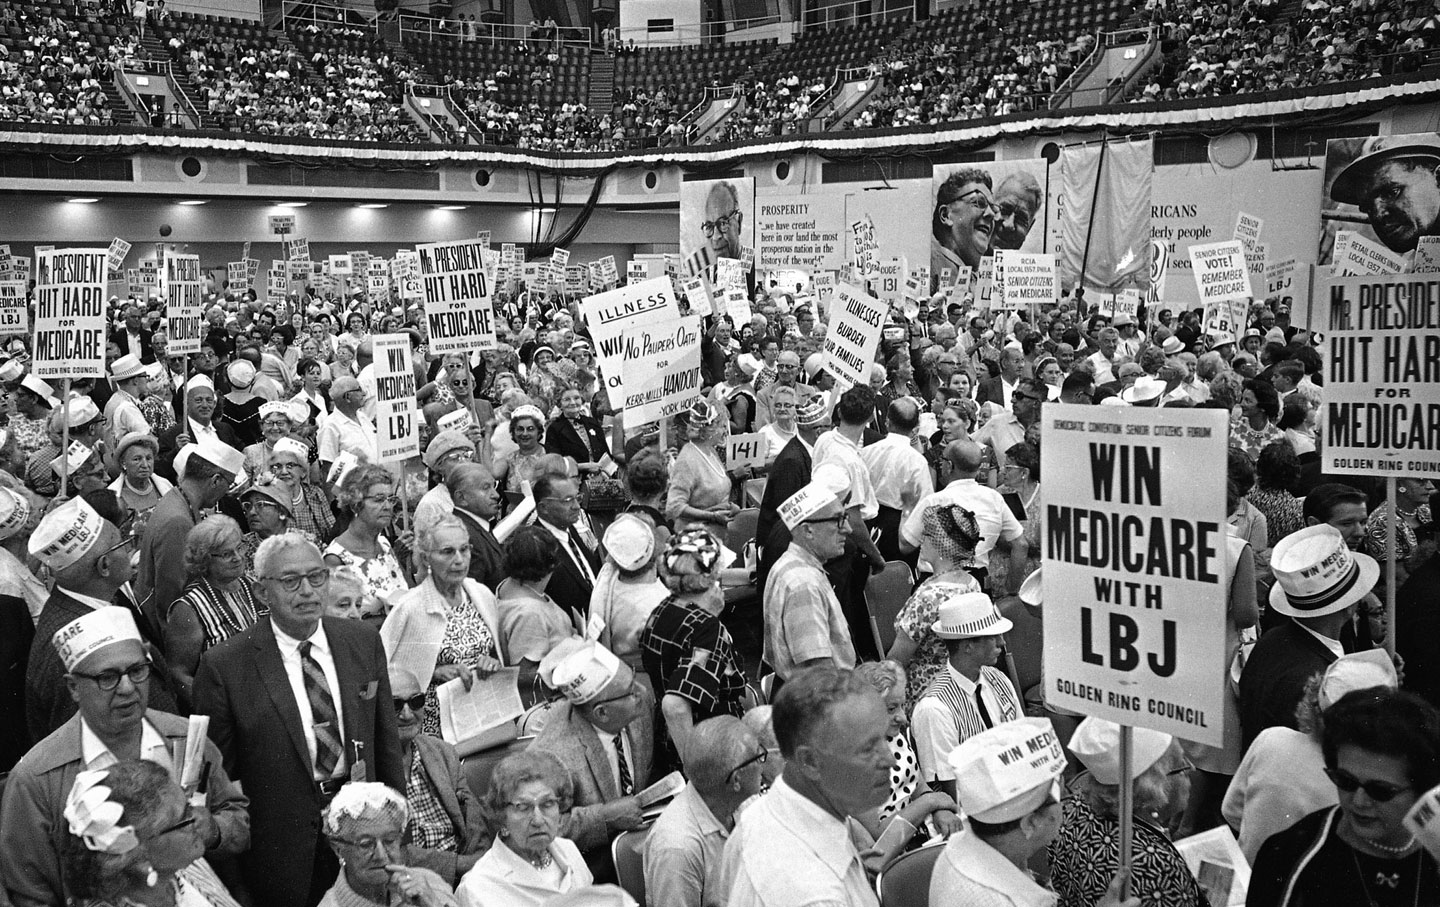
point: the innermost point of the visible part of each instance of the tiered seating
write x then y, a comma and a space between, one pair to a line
57, 67
816, 55
685, 72
521, 75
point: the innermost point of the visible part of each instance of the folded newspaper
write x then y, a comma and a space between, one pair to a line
483, 716
1215, 860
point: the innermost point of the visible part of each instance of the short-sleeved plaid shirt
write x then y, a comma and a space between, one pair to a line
430, 825
688, 652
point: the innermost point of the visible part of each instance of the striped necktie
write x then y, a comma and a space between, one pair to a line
322, 711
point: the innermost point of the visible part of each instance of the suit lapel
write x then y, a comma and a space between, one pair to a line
595, 756
348, 676
271, 669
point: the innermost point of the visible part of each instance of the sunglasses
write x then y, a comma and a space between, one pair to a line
416, 704
1378, 791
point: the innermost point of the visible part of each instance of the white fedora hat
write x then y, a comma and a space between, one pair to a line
968, 615
1316, 574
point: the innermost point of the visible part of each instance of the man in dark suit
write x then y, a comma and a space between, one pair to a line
1318, 583
993, 390
477, 504
134, 338
1417, 622
298, 704
557, 506
201, 402
788, 474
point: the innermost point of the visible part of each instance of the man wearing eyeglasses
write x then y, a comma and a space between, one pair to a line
962, 226
683, 851
299, 704
723, 221
557, 507
804, 623
348, 428
108, 676
1017, 199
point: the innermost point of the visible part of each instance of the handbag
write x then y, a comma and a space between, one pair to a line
602, 494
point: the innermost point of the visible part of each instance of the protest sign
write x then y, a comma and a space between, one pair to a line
985, 284
801, 231
182, 287
697, 294
14, 315
1355, 255
824, 288
1159, 268
1135, 578
867, 247
888, 280
297, 249
1221, 273
458, 309
636, 271
237, 276
737, 306
1382, 375
748, 449
729, 272
343, 265
115, 255
608, 272
1227, 315
397, 435
856, 322
1029, 279
1427, 255
613, 314
1247, 229
282, 224
1127, 302
70, 313
659, 367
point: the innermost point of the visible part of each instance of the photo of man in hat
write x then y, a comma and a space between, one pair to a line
1395, 182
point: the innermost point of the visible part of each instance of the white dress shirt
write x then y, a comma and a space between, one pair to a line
95, 755
565, 540
899, 473
992, 514
833, 447
320, 651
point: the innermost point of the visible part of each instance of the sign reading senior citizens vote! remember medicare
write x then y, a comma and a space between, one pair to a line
397, 435
458, 310
1382, 375
856, 322
70, 313
1135, 577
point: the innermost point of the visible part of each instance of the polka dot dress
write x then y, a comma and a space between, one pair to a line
904, 775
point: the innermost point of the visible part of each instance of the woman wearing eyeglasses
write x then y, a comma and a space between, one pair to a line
218, 603
529, 863
133, 842
310, 510
527, 430
1382, 753
449, 622
368, 493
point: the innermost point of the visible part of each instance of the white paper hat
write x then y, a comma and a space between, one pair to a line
199, 381
1357, 671
11, 370
1006, 772
1032, 591
293, 448
584, 671
275, 407
92, 632
80, 411
66, 534
14, 512
94, 818
214, 452
40, 387
1317, 574
807, 502
1096, 743
630, 541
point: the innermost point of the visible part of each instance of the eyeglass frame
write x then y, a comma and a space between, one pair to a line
723, 223
146, 666
964, 196
287, 581
761, 757
400, 702
838, 520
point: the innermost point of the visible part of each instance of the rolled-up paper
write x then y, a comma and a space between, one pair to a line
194, 762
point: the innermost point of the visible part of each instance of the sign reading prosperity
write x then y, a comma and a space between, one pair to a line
1135, 576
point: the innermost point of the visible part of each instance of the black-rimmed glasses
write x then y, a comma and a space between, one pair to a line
761, 757
416, 703
109, 680
724, 223
291, 582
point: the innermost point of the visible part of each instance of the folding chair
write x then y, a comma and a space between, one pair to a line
885, 596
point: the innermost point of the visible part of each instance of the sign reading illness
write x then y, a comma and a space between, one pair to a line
856, 321
397, 433
70, 313
14, 316
1221, 273
1382, 375
184, 313
611, 315
1135, 576
458, 309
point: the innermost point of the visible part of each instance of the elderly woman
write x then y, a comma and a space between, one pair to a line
528, 863
449, 622
345, 594
781, 429
344, 364
1282, 778
527, 430
699, 495
219, 601
687, 652
576, 434
241, 407
134, 841
365, 825
647, 479
916, 649
627, 589
736, 395
275, 423
309, 508
1019, 476
531, 623
541, 381
1382, 752
138, 488
368, 492
267, 511
1085, 854
1277, 476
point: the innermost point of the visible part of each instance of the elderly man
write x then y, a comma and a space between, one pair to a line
1017, 199
992, 514
446, 450
793, 846
477, 504
207, 470
683, 851
1394, 182
963, 223
557, 509
1008, 427
299, 704
1107, 356
90, 560
347, 429
723, 222
1000, 389
604, 734
899, 473
133, 338
804, 623
970, 695
200, 405
108, 676
131, 380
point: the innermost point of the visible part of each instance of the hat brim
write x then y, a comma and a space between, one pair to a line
1017, 807
1369, 575
1350, 184
999, 628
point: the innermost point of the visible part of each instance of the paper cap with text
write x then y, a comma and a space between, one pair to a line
92, 632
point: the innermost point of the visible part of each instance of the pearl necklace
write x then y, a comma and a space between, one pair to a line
1397, 851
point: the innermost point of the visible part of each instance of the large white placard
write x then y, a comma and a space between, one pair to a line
749, 449
1382, 375
856, 320
612, 314
801, 231
1355, 255
14, 315
397, 434
660, 367
1029, 278
1135, 577
458, 309
70, 313
184, 314
1221, 272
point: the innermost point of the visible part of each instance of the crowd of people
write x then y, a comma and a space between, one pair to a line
56, 74
210, 537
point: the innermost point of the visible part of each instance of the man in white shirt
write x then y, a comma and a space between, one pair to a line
1129, 345
992, 514
1107, 357
131, 380
346, 429
899, 473
792, 847
102, 649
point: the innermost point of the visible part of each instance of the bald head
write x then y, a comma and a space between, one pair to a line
964, 457
902, 415
365, 352
716, 746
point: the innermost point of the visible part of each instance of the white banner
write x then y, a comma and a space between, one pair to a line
14, 315
1221, 272
1029, 279
397, 434
1382, 380
458, 309
184, 313
70, 313
856, 320
660, 367
1135, 577
801, 231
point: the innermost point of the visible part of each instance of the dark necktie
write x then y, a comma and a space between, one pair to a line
980, 703
322, 710
581, 563
627, 783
